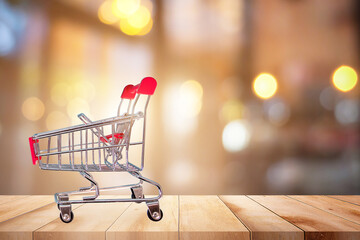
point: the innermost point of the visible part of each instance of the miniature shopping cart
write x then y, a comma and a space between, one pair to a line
101, 146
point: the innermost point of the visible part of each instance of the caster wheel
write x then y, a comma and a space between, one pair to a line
67, 218
156, 218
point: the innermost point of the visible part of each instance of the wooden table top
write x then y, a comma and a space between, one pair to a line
186, 217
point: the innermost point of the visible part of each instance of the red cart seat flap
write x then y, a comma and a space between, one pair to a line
32, 150
116, 135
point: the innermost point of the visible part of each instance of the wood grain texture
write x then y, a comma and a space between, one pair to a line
10, 198
262, 223
355, 199
23, 205
316, 223
23, 226
134, 223
337, 207
207, 217
90, 222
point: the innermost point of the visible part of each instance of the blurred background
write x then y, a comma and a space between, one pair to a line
253, 97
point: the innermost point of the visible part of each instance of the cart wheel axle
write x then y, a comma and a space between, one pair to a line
67, 218
156, 216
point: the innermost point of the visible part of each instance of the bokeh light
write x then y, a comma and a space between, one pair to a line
125, 8
236, 136
347, 111
232, 110
133, 16
327, 98
33, 108
58, 94
345, 78
278, 112
191, 93
146, 29
265, 85
181, 172
127, 28
140, 18
56, 120
106, 14
7, 39
183, 104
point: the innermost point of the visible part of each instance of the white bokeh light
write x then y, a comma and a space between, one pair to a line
236, 136
181, 172
279, 113
327, 98
347, 111
181, 107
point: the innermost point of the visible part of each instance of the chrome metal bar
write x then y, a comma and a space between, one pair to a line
59, 149
69, 148
119, 108
99, 154
81, 149
113, 143
93, 151
73, 151
86, 147
47, 158
144, 130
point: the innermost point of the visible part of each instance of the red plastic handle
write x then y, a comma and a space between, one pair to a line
116, 135
129, 92
32, 150
147, 86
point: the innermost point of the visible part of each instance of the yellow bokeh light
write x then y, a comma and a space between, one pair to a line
58, 94
56, 120
265, 85
125, 8
191, 93
128, 29
140, 18
345, 78
232, 110
106, 14
146, 29
193, 87
33, 108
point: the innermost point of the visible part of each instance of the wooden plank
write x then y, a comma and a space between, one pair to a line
23, 205
340, 208
207, 217
262, 223
22, 227
355, 199
10, 198
316, 223
90, 222
134, 223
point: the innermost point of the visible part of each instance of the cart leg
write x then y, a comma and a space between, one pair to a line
154, 212
93, 184
137, 192
66, 215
